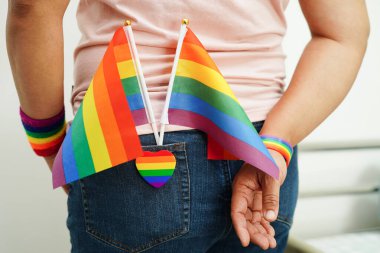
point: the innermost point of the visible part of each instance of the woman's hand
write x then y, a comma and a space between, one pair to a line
255, 203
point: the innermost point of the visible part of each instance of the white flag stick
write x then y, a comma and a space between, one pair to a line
141, 80
164, 117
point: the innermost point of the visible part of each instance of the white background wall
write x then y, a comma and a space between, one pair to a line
33, 216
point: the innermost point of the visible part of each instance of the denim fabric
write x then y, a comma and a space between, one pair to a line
116, 211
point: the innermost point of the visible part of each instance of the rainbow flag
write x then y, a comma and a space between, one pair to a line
202, 99
103, 131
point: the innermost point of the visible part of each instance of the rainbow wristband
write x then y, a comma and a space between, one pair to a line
280, 145
45, 135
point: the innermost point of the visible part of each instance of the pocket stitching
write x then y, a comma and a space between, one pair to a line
180, 147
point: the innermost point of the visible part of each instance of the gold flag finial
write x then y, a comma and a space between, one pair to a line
127, 22
185, 21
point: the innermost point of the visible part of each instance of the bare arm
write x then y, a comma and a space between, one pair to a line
323, 77
326, 70
35, 49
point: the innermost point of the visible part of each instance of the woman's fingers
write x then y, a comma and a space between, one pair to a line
248, 203
271, 197
260, 237
257, 205
268, 227
239, 206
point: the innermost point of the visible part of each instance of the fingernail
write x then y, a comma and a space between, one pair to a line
270, 215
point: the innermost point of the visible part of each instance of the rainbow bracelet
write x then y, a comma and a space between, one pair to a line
45, 135
280, 145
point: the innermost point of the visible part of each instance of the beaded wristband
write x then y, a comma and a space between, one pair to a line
280, 145
45, 135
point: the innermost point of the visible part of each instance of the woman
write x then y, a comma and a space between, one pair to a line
114, 211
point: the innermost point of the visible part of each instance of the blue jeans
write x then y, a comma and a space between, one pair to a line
116, 211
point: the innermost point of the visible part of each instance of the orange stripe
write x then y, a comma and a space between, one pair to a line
120, 106
122, 53
156, 159
107, 119
280, 149
197, 54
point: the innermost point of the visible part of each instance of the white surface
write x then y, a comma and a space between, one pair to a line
33, 216
331, 215
334, 171
367, 242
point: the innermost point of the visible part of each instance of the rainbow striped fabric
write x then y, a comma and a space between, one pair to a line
103, 131
156, 167
45, 135
202, 99
280, 145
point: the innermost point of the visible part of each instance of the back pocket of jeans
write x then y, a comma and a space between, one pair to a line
124, 211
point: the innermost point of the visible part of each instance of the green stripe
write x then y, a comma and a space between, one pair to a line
211, 96
80, 145
130, 85
45, 134
147, 173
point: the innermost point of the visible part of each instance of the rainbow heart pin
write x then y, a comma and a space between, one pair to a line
156, 167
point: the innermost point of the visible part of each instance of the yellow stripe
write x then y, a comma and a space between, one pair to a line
268, 142
155, 166
48, 139
126, 69
94, 133
205, 75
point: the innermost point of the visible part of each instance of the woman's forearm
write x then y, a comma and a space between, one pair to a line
35, 50
323, 77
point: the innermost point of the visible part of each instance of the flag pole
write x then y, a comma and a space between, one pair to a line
141, 79
164, 117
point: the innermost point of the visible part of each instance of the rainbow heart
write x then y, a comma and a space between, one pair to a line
156, 167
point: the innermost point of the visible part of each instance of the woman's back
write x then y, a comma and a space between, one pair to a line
243, 37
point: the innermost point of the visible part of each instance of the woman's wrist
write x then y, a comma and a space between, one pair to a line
279, 145
45, 135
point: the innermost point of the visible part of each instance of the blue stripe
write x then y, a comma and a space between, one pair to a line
68, 159
228, 124
135, 102
157, 179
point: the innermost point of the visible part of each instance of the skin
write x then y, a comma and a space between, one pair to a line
323, 77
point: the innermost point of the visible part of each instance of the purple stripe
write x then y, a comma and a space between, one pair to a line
44, 129
238, 148
42, 122
139, 117
157, 185
57, 173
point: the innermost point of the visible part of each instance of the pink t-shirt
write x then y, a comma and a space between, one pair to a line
242, 37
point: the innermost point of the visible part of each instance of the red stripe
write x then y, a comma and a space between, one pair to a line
119, 37
159, 153
120, 106
236, 147
48, 152
217, 152
192, 38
